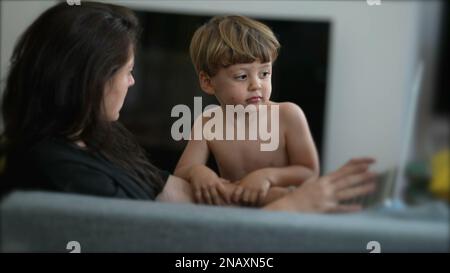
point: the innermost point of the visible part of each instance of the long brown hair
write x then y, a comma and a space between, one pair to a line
56, 81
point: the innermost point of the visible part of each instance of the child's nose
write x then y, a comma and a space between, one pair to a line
255, 84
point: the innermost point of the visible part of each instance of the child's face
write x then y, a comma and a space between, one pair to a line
243, 84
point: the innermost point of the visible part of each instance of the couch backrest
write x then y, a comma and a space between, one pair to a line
47, 222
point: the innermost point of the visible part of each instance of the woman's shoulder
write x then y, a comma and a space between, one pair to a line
58, 154
55, 149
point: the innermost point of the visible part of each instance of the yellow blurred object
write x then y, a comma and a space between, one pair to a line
440, 181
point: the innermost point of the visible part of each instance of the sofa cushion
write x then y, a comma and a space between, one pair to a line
46, 221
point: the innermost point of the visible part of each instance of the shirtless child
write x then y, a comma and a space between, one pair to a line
233, 56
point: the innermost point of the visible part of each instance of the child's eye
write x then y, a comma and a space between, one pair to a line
241, 77
265, 74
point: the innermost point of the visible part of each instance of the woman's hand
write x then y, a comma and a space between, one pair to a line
324, 194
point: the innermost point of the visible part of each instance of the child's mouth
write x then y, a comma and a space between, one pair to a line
255, 99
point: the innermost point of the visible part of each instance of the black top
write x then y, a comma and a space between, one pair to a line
59, 165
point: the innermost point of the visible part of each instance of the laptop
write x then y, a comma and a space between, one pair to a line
391, 184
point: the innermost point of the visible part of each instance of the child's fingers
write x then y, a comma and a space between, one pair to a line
198, 195
223, 193
224, 180
261, 196
246, 196
253, 196
216, 199
207, 196
237, 194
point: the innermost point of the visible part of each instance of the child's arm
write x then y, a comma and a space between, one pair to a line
255, 189
302, 156
300, 147
207, 186
180, 191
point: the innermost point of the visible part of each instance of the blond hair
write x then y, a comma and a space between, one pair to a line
228, 40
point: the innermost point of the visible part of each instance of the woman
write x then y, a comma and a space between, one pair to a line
69, 75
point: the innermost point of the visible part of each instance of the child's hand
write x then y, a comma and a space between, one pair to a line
210, 190
252, 189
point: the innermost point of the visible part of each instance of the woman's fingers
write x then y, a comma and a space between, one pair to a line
359, 160
353, 192
353, 180
347, 208
347, 170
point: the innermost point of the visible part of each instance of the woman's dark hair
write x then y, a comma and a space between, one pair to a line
55, 85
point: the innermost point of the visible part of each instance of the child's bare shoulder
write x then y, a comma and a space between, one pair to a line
207, 114
210, 111
291, 113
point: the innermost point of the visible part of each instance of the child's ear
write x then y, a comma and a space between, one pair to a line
205, 83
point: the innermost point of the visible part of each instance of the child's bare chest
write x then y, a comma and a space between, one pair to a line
237, 158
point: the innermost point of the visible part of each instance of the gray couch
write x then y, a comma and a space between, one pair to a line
47, 222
